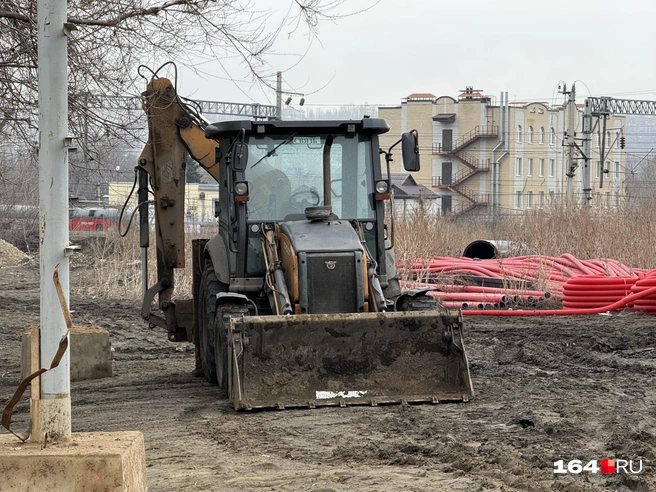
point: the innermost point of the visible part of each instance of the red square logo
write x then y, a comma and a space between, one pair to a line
608, 466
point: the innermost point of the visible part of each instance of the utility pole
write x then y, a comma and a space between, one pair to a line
280, 92
279, 95
587, 151
571, 161
51, 395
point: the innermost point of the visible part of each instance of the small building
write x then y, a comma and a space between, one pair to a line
410, 197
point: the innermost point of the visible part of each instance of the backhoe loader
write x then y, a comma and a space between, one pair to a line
296, 300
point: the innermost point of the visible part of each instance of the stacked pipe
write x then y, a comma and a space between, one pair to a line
593, 291
552, 272
646, 303
454, 296
584, 286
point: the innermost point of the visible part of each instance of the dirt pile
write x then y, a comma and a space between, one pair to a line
11, 256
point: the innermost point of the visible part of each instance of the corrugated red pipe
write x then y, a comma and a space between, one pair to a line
593, 291
646, 303
628, 300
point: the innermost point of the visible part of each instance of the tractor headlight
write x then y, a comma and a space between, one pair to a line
382, 187
241, 191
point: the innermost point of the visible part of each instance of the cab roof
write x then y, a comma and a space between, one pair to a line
230, 128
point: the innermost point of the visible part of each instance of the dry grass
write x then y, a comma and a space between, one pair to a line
624, 235
112, 268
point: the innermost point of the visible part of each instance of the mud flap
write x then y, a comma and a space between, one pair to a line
347, 359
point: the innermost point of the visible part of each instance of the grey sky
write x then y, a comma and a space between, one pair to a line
524, 48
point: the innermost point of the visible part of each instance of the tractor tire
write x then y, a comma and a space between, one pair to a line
209, 288
221, 326
421, 302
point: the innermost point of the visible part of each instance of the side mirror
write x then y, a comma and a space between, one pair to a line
239, 156
410, 151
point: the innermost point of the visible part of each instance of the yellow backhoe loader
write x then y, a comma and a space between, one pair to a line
296, 302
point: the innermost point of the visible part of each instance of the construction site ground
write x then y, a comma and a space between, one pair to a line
547, 389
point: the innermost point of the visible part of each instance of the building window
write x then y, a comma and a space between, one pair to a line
530, 168
518, 167
518, 200
541, 168
598, 139
552, 168
530, 134
541, 135
529, 199
540, 199
552, 136
519, 134
597, 168
617, 169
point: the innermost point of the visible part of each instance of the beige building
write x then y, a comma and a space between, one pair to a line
483, 157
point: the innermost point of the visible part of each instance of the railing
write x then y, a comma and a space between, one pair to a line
479, 131
473, 162
464, 207
460, 176
471, 195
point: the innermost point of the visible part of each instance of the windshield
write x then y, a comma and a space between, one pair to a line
285, 175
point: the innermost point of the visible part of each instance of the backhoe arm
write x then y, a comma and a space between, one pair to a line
175, 131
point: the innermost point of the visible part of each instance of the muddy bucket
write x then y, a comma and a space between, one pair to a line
347, 359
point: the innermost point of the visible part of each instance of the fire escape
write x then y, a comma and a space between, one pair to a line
472, 166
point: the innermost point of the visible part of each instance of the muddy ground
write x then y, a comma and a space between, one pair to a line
547, 389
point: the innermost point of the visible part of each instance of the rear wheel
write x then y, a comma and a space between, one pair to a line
221, 324
209, 288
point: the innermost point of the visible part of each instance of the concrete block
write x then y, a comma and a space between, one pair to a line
89, 462
91, 353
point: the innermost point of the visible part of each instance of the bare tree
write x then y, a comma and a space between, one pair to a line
114, 37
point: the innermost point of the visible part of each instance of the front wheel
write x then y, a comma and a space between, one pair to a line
209, 288
221, 327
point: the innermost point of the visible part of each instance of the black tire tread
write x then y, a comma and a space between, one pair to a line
226, 311
209, 287
421, 302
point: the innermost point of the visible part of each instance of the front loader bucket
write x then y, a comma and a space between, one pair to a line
347, 359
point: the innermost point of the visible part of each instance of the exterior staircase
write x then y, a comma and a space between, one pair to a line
464, 174
479, 131
472, 166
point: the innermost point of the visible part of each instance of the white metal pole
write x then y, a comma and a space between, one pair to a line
51, 411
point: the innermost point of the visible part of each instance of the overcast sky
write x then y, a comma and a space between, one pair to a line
522, 47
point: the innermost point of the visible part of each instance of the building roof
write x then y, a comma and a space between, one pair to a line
405, 187
472, 95
445, 117
421, 95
